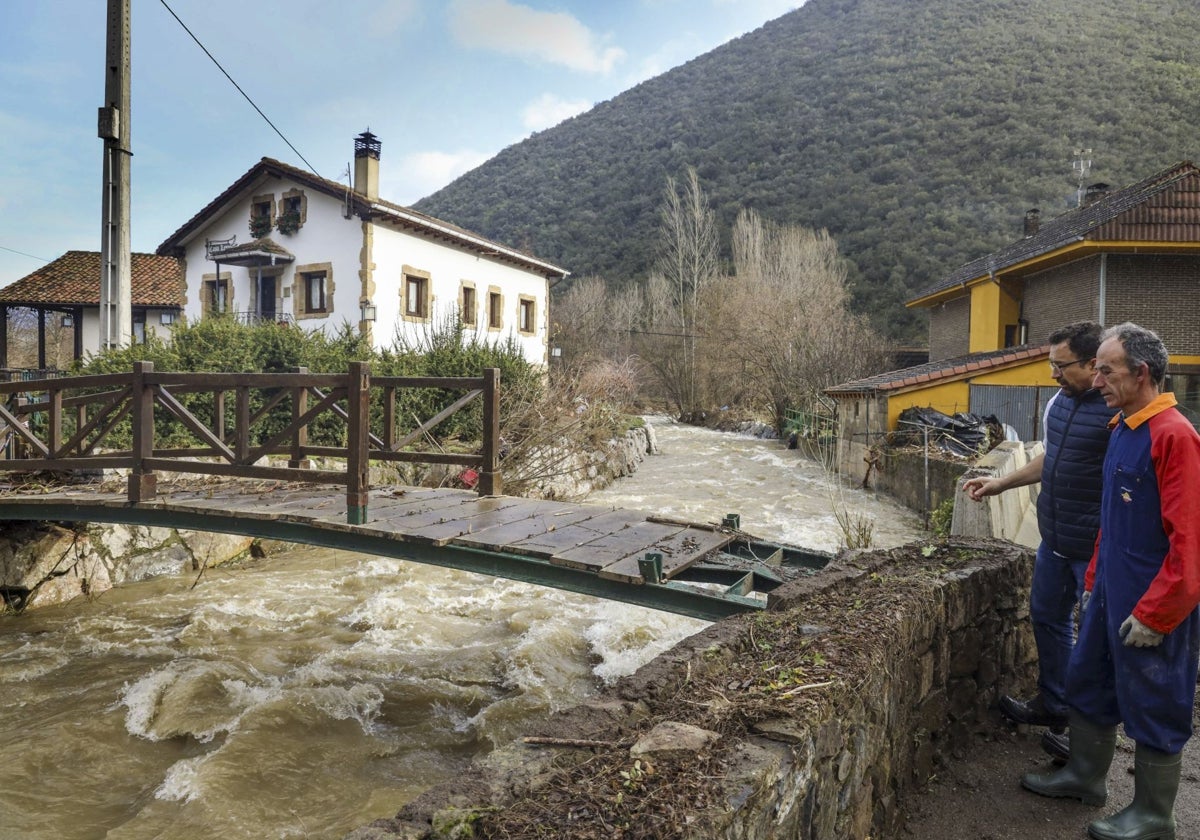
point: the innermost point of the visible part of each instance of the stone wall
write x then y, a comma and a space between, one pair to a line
43, 563
923, 642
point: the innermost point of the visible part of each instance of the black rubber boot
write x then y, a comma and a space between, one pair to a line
1151, 815
1085, 776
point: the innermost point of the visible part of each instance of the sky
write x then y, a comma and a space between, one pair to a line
444, 84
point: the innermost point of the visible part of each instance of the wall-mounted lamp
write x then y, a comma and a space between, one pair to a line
167, 318
367, 310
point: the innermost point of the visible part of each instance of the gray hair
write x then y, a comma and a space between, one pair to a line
1141, 345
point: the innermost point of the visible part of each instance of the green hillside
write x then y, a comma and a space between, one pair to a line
917, 131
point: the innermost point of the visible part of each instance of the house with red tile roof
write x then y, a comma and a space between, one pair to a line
62, 299
1131, 254
282, 244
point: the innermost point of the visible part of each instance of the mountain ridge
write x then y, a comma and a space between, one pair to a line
918, 133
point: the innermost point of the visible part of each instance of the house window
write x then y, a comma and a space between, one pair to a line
527, 315
262, 215
292, 207
311, 290
139, 326
495, 310
467, 305
314, 292
416, 297
214, 299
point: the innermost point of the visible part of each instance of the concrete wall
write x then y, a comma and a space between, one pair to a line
1012, 515
841, 766
903, 475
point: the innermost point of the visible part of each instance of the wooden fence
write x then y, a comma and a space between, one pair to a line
64, 424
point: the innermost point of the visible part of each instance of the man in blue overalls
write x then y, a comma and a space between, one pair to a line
1139, 643
1068, 506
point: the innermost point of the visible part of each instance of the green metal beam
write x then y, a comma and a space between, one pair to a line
669, 596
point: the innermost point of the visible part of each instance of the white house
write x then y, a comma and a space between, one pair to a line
282, 244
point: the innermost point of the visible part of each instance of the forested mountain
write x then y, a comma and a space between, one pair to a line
917, 131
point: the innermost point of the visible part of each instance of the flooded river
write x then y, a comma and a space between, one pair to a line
305, 694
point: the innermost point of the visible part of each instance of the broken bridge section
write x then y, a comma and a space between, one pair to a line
704, 571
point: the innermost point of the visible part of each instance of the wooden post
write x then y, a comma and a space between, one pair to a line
219, 413
300, 438
54, 432
389, 417
358, 440
143, 485
490, 481
241, 424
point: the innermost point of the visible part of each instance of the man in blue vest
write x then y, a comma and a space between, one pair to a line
1068, 508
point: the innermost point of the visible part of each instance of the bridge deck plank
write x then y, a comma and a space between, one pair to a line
607, 549
679, 551
578, 533
482, 518
509, 536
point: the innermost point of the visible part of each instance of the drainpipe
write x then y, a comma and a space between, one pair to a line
1103, 285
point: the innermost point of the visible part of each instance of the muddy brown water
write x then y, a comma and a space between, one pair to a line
311, 692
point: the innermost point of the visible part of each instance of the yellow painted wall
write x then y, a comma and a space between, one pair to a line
1180, 359
991, 309
1031, 373
947, 397
952, 397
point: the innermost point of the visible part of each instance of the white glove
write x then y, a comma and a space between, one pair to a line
1083, 600
1139, 635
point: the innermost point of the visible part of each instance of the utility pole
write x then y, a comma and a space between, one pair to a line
113, 128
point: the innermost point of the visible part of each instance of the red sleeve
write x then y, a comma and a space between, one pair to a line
1089, 577
1175, 590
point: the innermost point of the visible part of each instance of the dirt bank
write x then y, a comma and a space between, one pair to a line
976, 795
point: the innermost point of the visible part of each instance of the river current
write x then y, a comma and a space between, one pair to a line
304, 694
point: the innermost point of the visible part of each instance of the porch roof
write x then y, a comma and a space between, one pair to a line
931, 373
74, 280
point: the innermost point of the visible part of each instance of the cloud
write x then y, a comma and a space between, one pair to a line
548, 110
422, 173
512, 29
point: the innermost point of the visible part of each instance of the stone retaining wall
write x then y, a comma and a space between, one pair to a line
915, 681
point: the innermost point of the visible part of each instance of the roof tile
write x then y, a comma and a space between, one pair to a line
74, 280
1091, 221
942, 369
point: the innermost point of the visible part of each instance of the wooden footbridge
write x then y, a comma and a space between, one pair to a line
56, 425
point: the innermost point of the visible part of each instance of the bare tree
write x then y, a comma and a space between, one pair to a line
688, 263
23, 339
786, 318
593, 322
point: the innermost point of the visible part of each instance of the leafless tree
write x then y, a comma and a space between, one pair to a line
785, 317
23, 339
688, 264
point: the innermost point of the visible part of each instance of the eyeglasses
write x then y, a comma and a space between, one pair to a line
1061, 366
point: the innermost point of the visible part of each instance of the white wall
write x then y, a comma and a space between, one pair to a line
447, 268
328, 237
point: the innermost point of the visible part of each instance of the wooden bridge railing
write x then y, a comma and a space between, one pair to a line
64, 424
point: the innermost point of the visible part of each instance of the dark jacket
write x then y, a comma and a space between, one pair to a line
1069, 502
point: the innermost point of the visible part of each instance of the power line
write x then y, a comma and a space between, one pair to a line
239, 88
23, 254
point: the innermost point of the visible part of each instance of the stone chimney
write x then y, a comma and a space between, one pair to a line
1033, 220
1094, 193
366, 165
